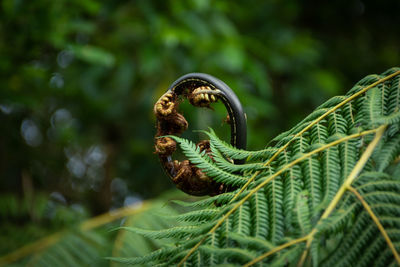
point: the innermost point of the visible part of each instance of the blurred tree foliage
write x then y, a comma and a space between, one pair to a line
79, 78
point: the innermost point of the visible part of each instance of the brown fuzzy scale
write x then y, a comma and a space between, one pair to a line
165, 106
227, 119
165, 146
199, 98
204, 145
185, 175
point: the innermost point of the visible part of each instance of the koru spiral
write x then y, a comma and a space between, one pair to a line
201, 90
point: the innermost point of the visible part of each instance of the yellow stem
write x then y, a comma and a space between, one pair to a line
344, 102
283, 169
277, 249
354, 173
377, 222
254, 190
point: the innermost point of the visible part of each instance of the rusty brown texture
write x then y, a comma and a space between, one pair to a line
185, 175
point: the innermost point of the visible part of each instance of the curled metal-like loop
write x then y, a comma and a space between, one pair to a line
201, 90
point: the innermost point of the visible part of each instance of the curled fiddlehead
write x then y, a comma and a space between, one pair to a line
201, 90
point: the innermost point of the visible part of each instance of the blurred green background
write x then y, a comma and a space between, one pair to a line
78, 80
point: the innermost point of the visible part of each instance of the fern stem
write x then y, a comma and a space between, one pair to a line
344, 102
270, 178
376, 220
347, 183
291, 164
276, 249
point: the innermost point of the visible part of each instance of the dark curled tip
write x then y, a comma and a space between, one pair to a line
229, 98
201, 90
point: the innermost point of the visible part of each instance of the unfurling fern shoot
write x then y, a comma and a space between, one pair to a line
326, 194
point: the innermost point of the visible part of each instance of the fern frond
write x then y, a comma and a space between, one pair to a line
337, 124
301, 205
379, 185
382, 197
289, 255
385, 258
334, 101
204, 162
232, 152
370, 79
225, 228
369, 176
331, 172
241, 219
237, 255
153, 256
225, 165
180, 231
221, 199
194, 216
319, 133
253, 243
259, 215
213, 241
274, 192
292, 184
303, 124
393, 98
372, 108
312, 170
348, 156
65, 252
388, 152
303, 212
393, 118
336, 222
361, 233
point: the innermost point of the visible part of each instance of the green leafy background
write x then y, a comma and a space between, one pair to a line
78, 80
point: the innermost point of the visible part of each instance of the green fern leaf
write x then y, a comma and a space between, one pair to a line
204, 162
260, 215
303, 212
234, 153
325, 193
